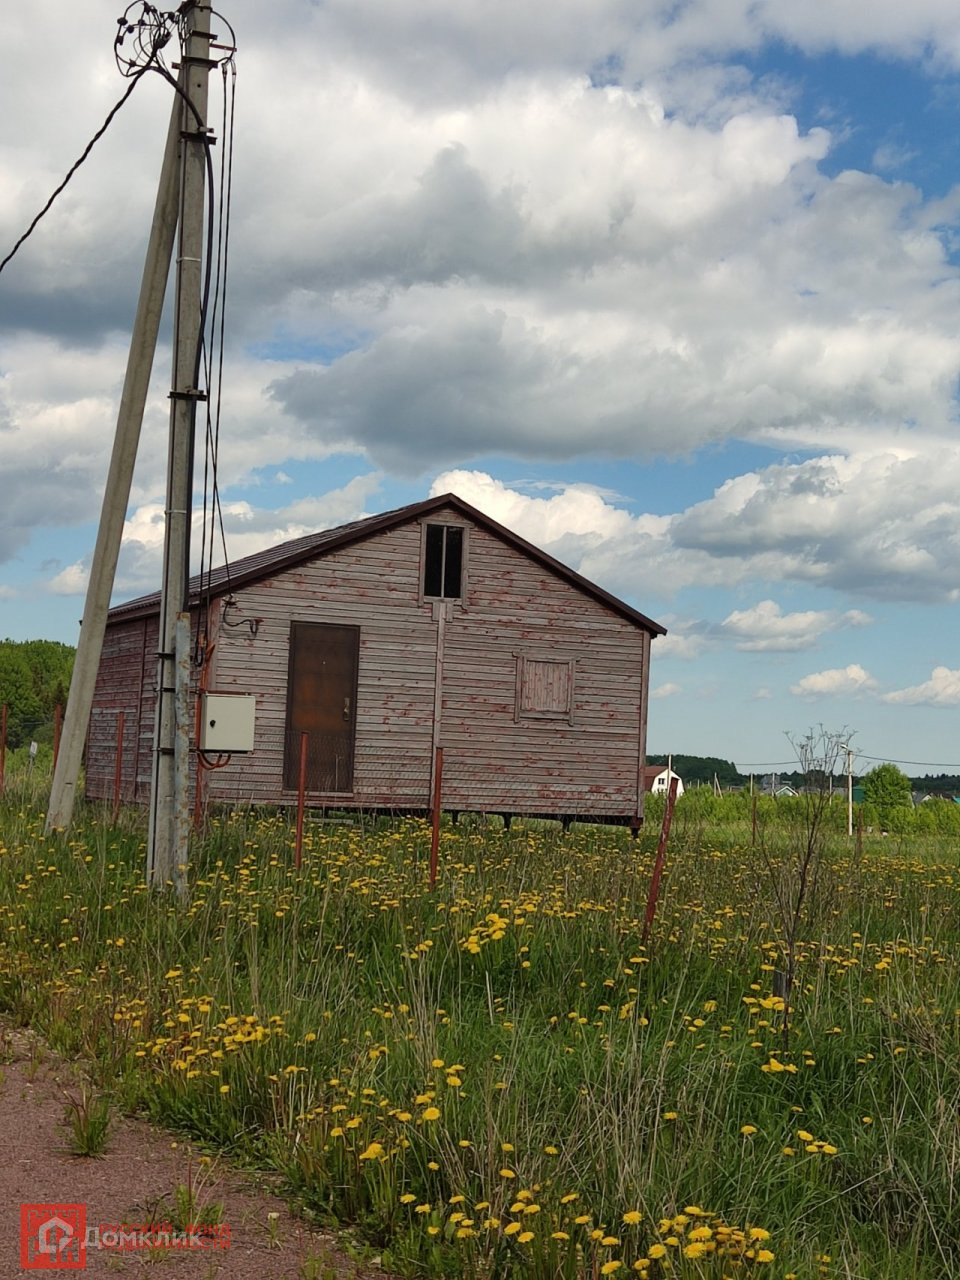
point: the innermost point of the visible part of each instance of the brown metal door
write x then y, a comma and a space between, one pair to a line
321, 702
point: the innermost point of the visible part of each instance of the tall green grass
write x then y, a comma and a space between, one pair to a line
316, 1020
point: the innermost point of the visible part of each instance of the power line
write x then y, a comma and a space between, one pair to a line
215, 353
770, 764
795, 764
920, 764
71, 171
151, 31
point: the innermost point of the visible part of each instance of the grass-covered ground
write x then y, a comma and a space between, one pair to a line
499, 1078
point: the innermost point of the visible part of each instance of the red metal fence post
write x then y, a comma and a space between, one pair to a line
435, 834
118, 767
301, 792
198, 794
57, 726
661, 855
3, 745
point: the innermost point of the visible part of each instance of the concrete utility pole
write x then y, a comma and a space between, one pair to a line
116, 495
169, 821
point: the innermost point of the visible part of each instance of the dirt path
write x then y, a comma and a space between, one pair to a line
133, 1183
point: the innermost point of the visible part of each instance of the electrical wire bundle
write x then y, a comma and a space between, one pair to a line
142, 36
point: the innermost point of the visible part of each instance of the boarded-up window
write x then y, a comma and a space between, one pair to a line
544, 688
443, 562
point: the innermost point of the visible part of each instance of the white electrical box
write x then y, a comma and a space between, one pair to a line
227, 723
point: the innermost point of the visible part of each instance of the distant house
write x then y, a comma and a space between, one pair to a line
771, 785
368, 647
656, 779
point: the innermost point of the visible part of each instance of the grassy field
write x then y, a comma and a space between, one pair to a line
500, 1078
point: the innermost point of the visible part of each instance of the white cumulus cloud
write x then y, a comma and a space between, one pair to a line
766, 628
667, 690
837, 682
941, 690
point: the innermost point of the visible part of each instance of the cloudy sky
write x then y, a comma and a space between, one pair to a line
673, 290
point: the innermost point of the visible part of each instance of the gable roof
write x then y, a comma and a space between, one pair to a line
651, 772
264, 564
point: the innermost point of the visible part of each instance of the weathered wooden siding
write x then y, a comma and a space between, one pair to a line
373, 585
582, 764
126, 682
492, 761
583, 760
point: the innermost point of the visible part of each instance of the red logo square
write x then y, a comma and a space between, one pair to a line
53, 1237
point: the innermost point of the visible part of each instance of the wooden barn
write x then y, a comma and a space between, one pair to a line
382, 640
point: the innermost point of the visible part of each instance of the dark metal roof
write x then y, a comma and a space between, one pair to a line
264, 564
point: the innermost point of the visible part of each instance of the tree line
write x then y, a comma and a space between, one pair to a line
708, 770
34, 680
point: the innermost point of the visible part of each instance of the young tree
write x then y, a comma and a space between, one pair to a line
793, 872
887, 789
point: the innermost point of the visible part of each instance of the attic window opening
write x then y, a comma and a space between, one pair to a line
443, 562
